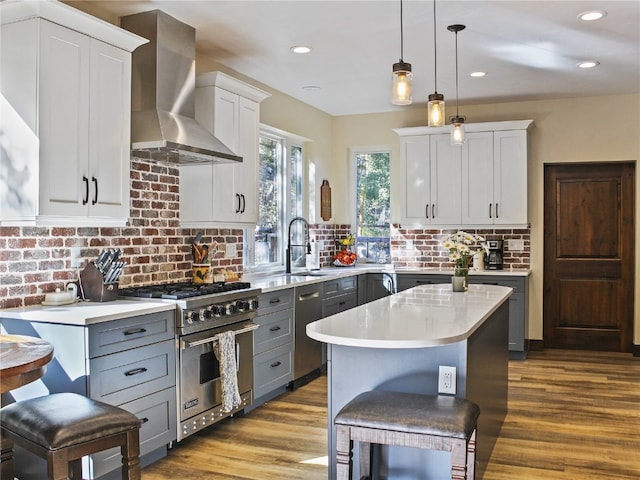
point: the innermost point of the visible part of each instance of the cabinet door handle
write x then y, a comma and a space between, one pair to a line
306, 296
274, 329
143, 420
426, 210
135, 371
244, 203
134, 331
273, 301
433, 210
95, 194
237, 203
276, 364
85, 200
490, 210
497, 211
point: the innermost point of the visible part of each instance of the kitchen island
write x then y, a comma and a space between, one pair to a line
397, 343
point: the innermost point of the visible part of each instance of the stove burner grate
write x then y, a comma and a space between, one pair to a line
180, 290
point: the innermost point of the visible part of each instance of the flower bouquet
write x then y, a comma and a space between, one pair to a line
462, 246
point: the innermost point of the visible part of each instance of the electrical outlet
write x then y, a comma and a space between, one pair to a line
76, 259
230, 250
515, 245
447, 380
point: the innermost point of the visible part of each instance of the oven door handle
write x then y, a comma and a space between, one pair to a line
214, 338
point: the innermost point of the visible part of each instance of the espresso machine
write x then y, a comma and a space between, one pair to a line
494, 260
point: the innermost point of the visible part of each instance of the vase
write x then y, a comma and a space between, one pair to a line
460, 279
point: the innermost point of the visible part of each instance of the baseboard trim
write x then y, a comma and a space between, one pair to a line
536, 345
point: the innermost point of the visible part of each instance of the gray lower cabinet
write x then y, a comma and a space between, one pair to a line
273, 345
410, 280
518, 310
129, 363
340, 294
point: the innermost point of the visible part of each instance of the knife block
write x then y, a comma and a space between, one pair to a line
94, 287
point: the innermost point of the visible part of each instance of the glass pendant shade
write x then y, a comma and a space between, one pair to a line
435, 110
402, 93
457, 131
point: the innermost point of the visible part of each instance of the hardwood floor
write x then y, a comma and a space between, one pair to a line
572, 415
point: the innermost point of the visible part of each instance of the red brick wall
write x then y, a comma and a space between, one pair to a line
427, 252
37, 260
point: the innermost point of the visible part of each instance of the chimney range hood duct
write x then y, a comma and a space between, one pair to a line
163, 125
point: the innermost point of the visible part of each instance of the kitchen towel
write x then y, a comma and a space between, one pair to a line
225, 351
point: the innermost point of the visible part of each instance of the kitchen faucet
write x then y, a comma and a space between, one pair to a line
289, 244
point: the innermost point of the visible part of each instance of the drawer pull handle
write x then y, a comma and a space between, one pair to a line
424, 282
490, 283
342, 303
143, 420
275, 364
135, 371
305, 296
273, 301
134, 331
275, 328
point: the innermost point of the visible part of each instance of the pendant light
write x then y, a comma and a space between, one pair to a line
435, 107
457, 122
401, 93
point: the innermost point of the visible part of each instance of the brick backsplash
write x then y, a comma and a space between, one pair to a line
422, 248
37, 260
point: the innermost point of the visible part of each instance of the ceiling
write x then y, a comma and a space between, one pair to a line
529, 49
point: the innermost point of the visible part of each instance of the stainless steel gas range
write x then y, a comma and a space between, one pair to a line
202, 312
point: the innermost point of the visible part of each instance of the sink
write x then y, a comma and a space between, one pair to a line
309, 273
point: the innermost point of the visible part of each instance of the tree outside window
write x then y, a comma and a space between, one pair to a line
373, 206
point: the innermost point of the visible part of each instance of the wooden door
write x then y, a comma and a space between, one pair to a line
589, 256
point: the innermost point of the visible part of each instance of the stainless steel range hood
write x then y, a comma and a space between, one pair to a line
163, 125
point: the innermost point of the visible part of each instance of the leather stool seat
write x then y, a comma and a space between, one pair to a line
394, 418
64, 427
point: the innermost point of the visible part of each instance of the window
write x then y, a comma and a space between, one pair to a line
279, 197
373, 204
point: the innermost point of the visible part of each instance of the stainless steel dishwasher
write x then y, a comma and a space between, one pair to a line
307, 352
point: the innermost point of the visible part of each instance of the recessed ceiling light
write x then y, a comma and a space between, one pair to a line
477, 74
592, 15
301, 49
588, 64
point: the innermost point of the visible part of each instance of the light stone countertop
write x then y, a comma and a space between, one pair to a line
86, 313
424, 316
279, 281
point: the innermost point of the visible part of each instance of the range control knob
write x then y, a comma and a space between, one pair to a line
232, 308
191, 316
254, 304
204, 314
219, 310
243, 305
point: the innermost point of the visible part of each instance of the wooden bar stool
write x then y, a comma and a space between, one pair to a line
431, 422
64, 427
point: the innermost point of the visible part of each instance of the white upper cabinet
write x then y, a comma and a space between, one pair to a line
230, 109
73, 92
481, 183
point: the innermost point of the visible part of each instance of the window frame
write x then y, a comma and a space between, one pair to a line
287, 142
353, 174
